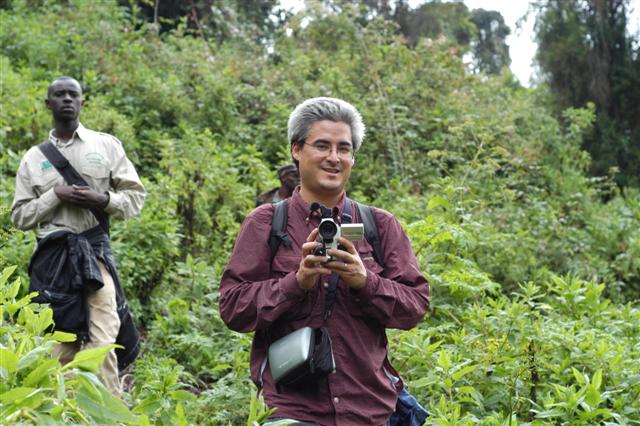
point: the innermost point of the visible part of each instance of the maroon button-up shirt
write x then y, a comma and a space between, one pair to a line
263, 296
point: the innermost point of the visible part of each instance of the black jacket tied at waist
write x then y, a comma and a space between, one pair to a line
63, 265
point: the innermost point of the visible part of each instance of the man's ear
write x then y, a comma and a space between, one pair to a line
46, 102
295, 151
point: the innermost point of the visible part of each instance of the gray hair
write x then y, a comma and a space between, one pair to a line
318, 109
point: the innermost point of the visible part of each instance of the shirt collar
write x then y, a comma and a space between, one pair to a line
303, 208
80, 134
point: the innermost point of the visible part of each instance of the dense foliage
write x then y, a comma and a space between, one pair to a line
588, 54
535, 279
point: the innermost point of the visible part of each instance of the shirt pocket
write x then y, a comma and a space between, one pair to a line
97, 177
283, 264
369, 260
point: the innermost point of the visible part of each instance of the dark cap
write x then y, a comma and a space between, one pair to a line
287, 168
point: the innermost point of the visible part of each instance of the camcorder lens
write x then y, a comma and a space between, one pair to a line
328, 229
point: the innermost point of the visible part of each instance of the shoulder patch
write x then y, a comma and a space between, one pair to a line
46, 165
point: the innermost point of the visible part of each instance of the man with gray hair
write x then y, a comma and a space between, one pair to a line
344, 292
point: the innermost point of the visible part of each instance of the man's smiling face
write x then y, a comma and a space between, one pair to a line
326, 158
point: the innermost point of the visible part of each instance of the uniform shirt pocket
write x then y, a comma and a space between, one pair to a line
96, 176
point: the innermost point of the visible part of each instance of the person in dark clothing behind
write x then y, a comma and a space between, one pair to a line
289, 179
73, 267
274, 297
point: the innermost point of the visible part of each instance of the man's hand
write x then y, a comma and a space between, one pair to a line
348, 265
82, 196
310, 266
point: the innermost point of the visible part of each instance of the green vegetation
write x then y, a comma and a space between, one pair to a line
588, 55
535, 279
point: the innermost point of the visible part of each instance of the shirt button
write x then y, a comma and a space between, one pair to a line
336, 400
357, 299
325, 284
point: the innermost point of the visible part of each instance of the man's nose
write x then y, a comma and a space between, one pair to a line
333, 154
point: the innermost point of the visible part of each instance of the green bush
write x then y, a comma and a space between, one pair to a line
535, 267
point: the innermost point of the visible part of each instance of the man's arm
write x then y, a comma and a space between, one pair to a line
399, 298
29, 208
249, 299
127, 197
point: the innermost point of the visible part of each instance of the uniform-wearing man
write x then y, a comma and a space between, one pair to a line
73, 267
289, 179
275, 298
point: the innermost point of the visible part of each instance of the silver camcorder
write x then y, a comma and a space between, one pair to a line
330, 232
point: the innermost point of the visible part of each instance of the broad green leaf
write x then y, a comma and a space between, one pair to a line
33, 356
444, 360
63, 337
596, 380
592, 396
61, 390
45, 370
149, 406
182, 421
15, 287
6, 273
17, 394
89, 359
117, 407
56, 412
604, 412
42, 321
550, 413
182, 395
220, 367
12, 308
580, 378
424, 381
8, 360
438, 201
463, 371
90, 383
107, 410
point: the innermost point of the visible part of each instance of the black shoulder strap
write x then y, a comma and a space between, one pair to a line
365, 213
71, 176
278, 233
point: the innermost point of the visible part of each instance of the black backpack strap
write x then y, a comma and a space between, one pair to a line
71, 176
278, 233
365, 213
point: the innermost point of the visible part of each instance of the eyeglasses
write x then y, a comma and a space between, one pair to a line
345, 151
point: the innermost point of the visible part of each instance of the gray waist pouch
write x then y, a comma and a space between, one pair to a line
301, 358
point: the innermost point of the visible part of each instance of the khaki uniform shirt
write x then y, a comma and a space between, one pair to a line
101, 161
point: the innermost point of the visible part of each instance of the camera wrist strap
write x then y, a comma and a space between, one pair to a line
330, 297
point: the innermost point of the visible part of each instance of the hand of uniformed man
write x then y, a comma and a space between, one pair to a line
348, 265
82, 196
310, 266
